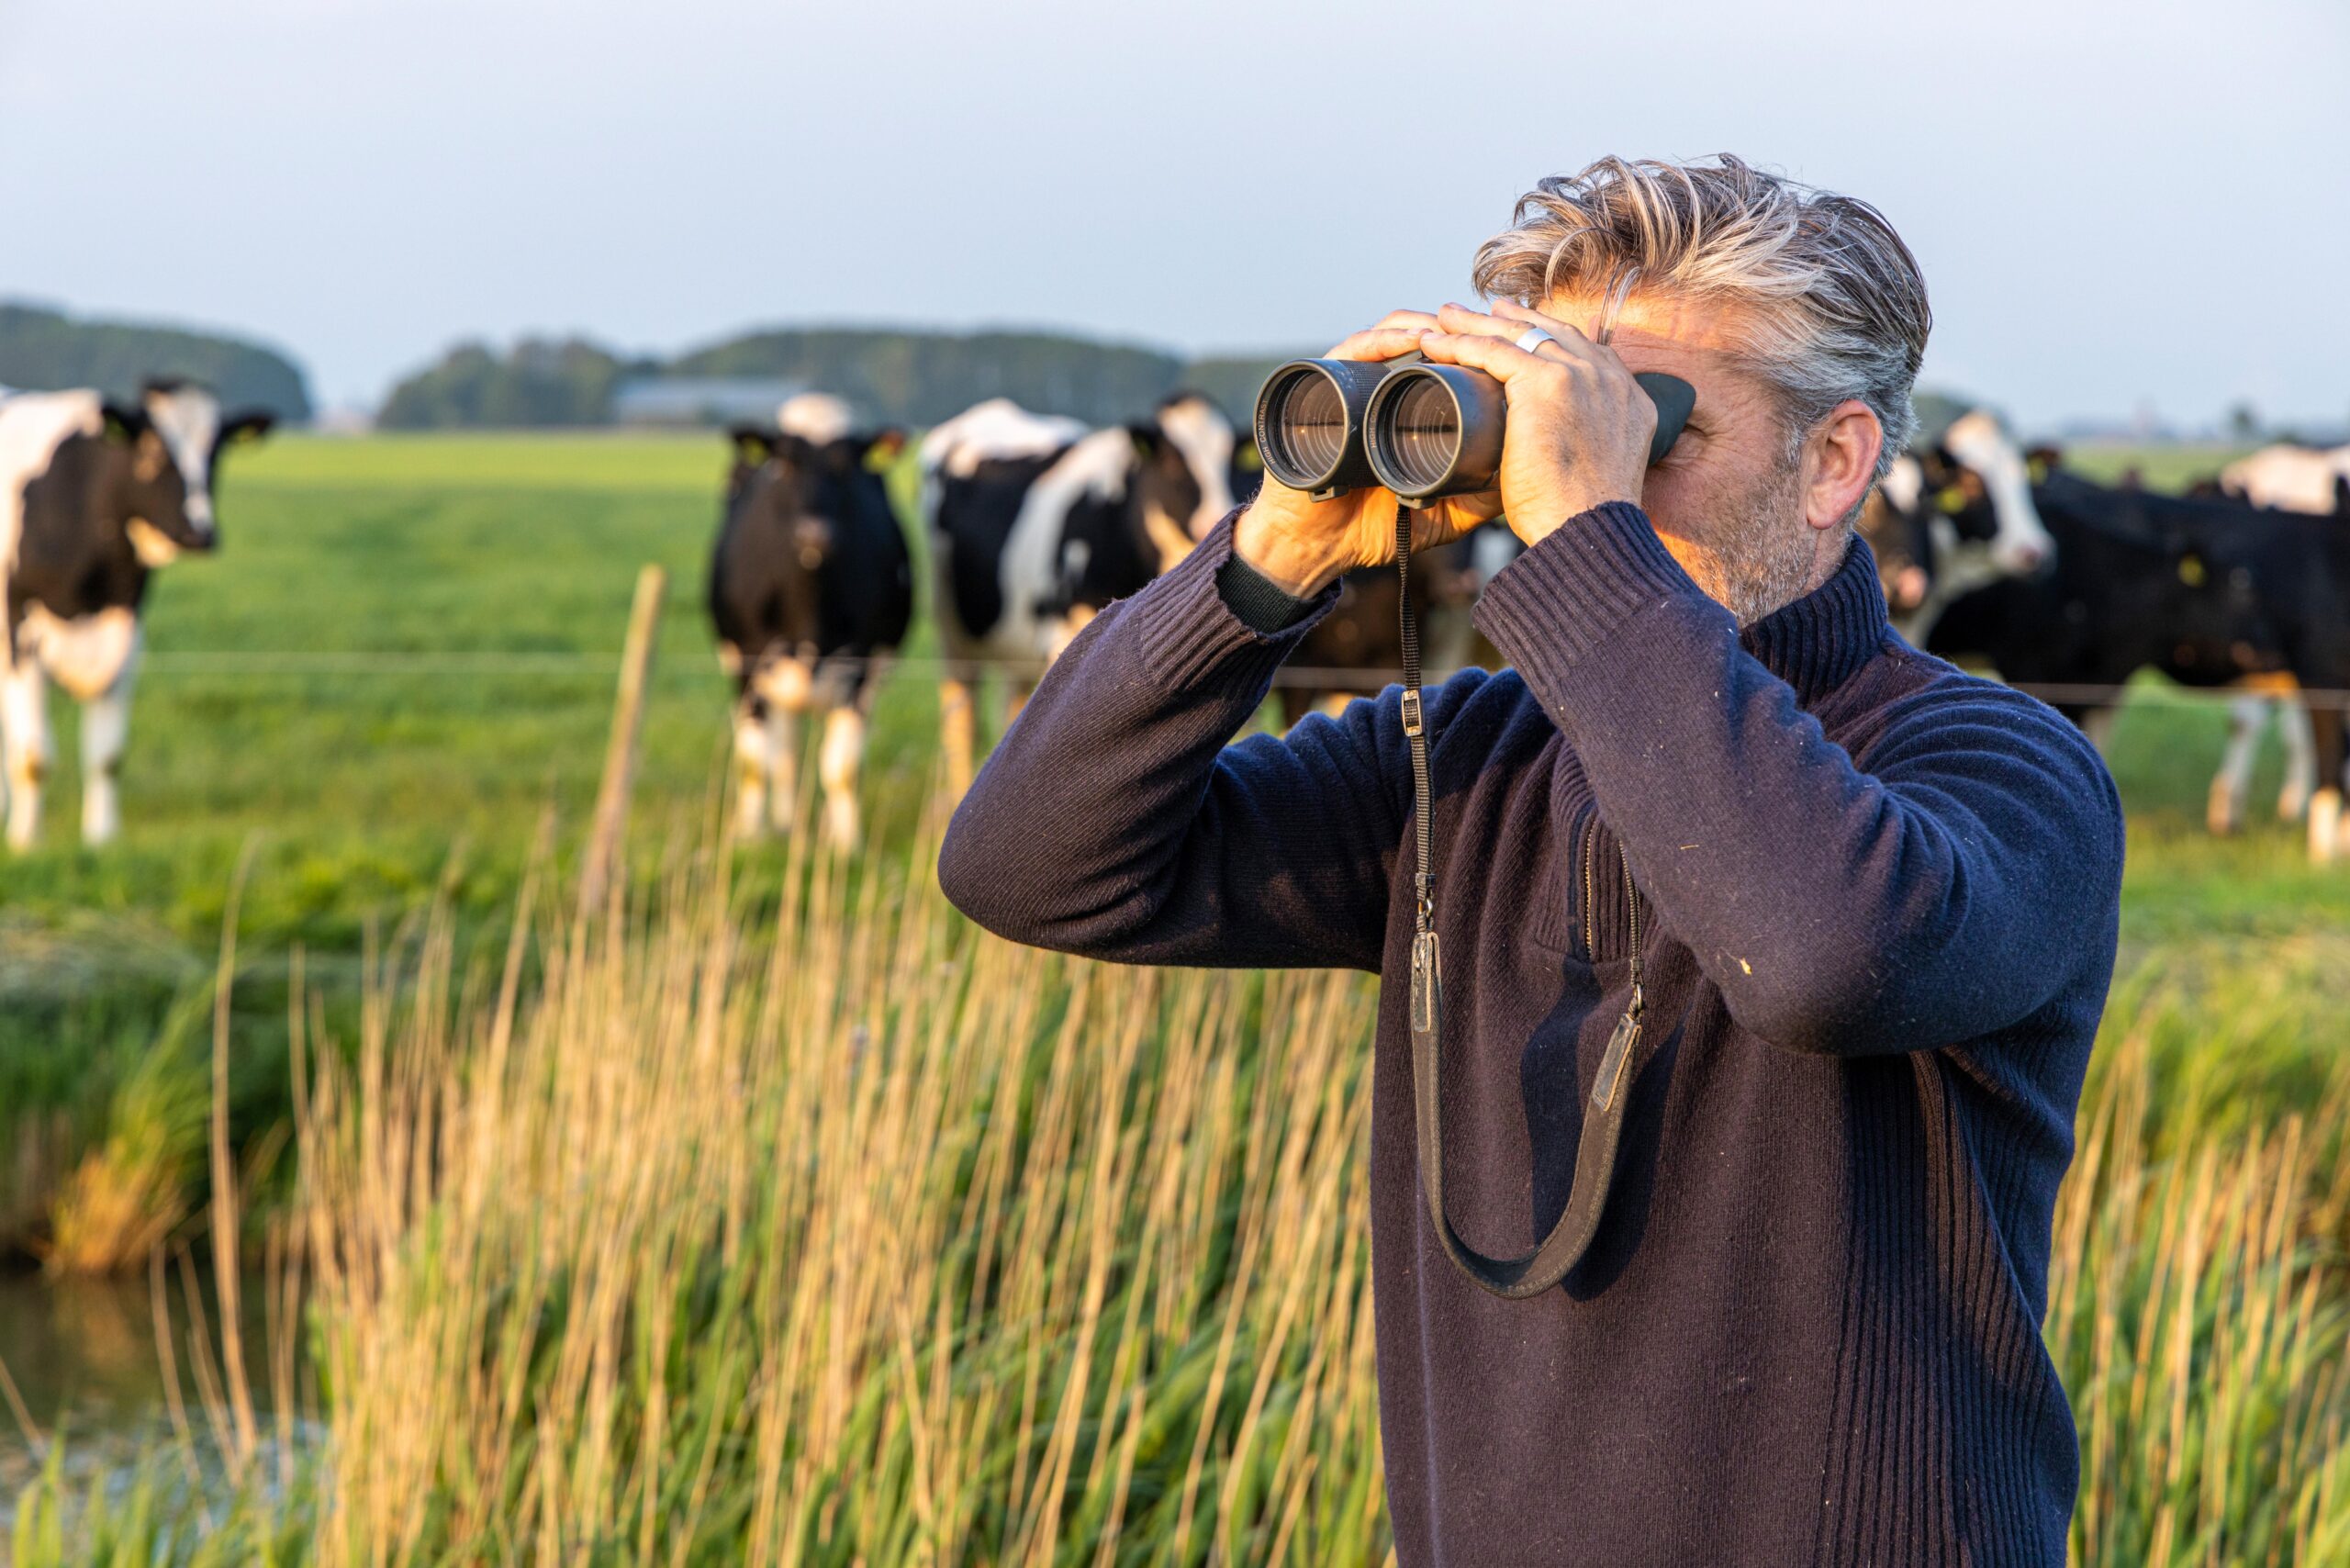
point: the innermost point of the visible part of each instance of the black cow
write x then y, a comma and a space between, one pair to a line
2212, 594
95, 495
811, 585
1039, 523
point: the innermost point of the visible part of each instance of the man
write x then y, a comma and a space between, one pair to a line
1873, 902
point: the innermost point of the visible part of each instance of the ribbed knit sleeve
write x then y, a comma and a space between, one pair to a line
1115, 821
1938, 894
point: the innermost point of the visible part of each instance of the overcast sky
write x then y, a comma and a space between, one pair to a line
2118, 203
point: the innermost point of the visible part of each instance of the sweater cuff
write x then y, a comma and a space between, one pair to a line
1262, 603
1190, 634
1579, 586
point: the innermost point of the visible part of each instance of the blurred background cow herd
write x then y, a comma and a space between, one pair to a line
1991, 555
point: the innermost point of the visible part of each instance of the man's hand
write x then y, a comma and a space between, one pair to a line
1303, 544
1579, 424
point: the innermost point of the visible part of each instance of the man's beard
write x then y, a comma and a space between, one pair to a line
1756, 556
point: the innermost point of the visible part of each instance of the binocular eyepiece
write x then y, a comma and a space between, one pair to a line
1327, 426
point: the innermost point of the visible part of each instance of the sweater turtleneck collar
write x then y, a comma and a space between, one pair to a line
1820, 641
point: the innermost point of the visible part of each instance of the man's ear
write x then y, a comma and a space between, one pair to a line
1843, 462
124, 424
753, 445
250, 425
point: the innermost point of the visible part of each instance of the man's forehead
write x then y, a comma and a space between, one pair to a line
1666, 332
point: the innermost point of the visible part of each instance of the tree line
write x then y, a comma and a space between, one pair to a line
44, 350
904, 377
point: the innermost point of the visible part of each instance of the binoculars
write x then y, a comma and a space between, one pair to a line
1327, 426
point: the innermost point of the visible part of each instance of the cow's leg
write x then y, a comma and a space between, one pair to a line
783, 766
24, 735
837, 765
106, 729
750, 767
2325, 806
2300, 762
957, 722
2223, 809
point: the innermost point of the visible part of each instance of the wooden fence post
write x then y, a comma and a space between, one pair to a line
610, 828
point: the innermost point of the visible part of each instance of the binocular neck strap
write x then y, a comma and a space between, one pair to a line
1602, 1125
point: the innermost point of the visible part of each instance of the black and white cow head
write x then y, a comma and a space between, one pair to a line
1954, 517
174, 435
1182, 480
803, 499
1979, 486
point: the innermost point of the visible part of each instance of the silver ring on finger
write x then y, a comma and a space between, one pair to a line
1532, 339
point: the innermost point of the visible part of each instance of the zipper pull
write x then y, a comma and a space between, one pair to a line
1619, 1052
1427, 984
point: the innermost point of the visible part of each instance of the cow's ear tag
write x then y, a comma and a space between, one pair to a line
2038, 468
2190, 570
883, 450
1951, 500
1249, 459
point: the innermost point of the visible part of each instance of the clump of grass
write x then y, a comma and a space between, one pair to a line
875, 1240
2198, 1313
126, 1196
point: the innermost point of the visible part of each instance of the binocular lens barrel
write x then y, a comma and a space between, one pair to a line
1419, 435
1309, 417
1309, 423
1435, 430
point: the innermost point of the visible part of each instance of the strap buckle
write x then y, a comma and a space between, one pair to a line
1412, 715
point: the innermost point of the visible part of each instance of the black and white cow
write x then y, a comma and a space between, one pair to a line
1038, 522
811, 585
2211, 593
2290, 479
95, 495
1950, 516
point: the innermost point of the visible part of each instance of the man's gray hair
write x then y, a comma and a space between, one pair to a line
1834, 303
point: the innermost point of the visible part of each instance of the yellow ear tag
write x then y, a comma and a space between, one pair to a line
2190, 570
1951, 500
1250, 459
2038, 468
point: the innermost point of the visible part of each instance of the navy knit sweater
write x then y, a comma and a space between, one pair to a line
1878, 903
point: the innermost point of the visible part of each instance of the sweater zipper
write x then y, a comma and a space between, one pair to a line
1626, 1034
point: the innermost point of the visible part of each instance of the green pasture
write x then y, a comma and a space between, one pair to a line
404, 654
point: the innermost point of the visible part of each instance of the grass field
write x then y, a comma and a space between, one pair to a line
713, 1238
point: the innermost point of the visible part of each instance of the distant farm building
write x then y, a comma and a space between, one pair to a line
700, 399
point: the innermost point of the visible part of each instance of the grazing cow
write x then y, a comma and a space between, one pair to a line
2293, 478
811, 585
2290, 479
1039, 523
1951, 516
2210, 593
95, 495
